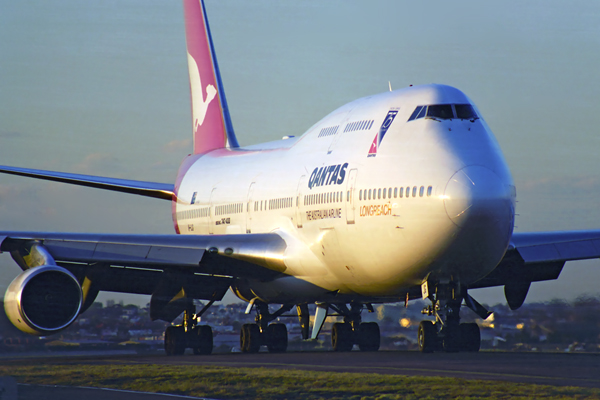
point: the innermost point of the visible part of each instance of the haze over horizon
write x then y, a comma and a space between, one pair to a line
102, 89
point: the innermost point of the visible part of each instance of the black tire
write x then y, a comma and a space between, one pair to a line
244, 338
369, 337
342, 337
203, 340
452, 339
175, 342
427, 337
250, 338
470, 337
277, 338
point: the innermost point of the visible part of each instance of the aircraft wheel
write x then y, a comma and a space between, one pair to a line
250, 338
470, 337
369, 337
427, 337
277, 337
342, 337
451, 341
203, 340
175, 340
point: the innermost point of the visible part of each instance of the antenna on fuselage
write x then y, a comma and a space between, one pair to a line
390, 85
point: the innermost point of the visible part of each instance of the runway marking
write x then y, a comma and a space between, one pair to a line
386, 368
179, 396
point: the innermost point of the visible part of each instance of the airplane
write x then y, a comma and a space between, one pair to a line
394, 197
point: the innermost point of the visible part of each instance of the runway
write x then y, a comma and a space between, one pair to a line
561, 369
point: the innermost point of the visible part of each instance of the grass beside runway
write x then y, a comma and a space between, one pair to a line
264, 383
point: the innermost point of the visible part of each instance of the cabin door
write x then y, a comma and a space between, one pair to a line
250, 208
300, 201
351, 196
211, 211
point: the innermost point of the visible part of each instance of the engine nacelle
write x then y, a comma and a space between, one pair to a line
43, 300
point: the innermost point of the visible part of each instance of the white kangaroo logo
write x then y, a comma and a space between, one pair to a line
199, 104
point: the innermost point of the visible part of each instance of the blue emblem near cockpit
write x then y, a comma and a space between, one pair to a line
386, 124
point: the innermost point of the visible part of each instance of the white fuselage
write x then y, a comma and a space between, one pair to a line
435, 200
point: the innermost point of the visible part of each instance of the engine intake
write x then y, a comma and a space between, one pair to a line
43, 300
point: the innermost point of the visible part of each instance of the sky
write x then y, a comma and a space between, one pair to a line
101, 88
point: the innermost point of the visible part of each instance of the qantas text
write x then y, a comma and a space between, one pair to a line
330, 175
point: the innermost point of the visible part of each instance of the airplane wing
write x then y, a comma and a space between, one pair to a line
539, 256
167, 267
149, 189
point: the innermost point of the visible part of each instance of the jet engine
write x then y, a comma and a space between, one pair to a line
43, 300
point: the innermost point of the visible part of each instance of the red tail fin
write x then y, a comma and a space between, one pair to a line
210, 115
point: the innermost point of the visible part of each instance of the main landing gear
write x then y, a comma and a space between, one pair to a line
189, 335
344, 335
447, 333
274, 336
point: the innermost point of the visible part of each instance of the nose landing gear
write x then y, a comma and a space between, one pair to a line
447, 333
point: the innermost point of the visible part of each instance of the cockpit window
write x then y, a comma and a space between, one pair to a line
445, 111
441, 111
465, 111
415, 113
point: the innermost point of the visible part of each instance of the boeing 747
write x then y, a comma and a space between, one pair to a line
393, 197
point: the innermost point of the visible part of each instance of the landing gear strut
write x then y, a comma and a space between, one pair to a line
447, 333
274, 336
189, 335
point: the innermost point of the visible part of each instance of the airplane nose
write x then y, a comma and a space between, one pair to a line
475, 195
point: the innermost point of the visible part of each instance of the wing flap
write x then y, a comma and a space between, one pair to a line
258, 256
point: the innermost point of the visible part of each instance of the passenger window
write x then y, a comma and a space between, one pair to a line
395, 192
384, 193
408, 191
369, 194
360, 194
379, 194
421, 191
389, 193
429, 190
414, 191
441, 111
401, 192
